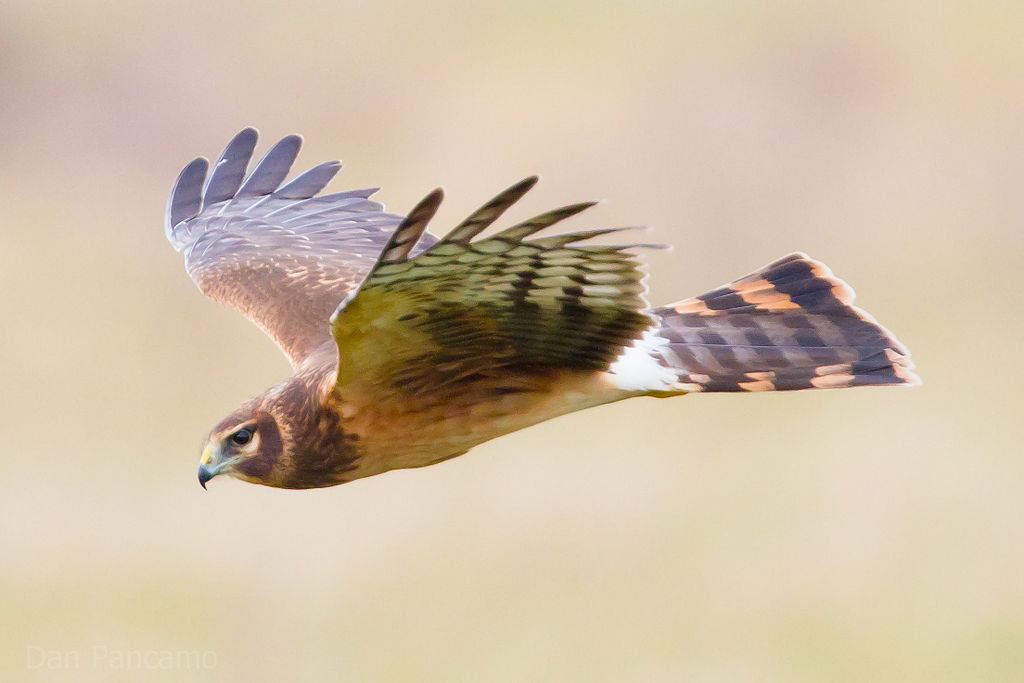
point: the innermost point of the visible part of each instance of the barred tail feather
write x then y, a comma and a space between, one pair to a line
789, 326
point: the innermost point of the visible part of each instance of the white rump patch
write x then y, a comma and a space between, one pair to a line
638, 369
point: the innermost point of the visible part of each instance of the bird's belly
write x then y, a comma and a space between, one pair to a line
470, 415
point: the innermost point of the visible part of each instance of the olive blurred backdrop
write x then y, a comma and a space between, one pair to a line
840, 536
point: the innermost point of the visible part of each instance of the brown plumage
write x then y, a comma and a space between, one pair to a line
409, 350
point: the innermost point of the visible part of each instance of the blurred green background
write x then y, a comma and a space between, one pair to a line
869, 535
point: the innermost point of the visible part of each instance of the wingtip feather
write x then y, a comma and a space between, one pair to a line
229, 170
185, 199
272, 169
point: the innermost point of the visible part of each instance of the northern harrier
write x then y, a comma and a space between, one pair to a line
409, 349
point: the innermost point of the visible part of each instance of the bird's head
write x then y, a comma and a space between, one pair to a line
245, 445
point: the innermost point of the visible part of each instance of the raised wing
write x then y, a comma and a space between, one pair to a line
471, 319
278, 253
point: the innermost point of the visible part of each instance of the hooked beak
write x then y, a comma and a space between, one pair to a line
209, 467
205, 475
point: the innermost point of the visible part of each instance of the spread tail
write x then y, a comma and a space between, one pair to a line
789, 326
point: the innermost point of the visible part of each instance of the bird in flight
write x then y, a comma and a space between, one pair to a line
409, 349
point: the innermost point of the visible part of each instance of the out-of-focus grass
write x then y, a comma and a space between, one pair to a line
846, 536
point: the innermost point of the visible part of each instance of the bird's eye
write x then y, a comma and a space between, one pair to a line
242, 436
